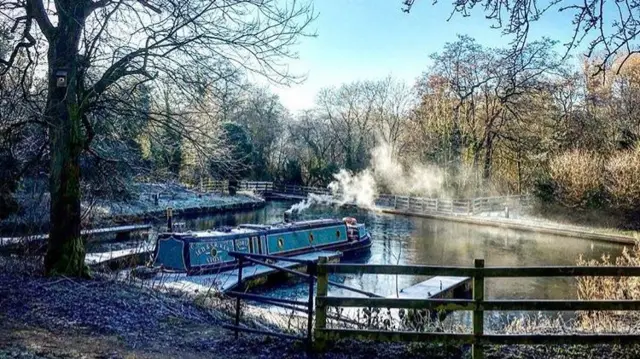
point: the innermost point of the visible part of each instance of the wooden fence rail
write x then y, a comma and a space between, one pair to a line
400, 202
477, 305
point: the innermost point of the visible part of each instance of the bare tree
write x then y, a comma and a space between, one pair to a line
486, 85
97, 46
350, 111
608, 28
393, 103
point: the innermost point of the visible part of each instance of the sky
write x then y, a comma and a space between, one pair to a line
371, 39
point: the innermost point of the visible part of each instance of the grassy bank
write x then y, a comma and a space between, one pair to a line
149, 202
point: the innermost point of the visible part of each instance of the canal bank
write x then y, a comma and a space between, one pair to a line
506, 223
147, 205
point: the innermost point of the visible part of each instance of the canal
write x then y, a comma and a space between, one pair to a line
413, 240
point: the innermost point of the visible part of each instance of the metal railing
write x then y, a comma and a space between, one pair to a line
477, 305
294, 305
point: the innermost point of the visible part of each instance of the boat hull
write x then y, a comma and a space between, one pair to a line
207, 252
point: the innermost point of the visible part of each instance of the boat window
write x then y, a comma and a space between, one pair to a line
310, 237
214, 252
280, 243
337, 234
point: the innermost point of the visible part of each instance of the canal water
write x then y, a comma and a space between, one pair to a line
413, 240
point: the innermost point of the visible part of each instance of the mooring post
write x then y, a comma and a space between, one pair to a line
239, 289
478, 313
313, 271
169, 219
321, 309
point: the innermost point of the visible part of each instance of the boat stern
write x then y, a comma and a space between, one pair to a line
363, 235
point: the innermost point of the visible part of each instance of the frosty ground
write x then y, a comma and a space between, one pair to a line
67, 318
140, 204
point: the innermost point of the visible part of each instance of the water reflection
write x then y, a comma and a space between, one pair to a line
411, 240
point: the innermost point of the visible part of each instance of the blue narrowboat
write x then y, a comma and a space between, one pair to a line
207, 251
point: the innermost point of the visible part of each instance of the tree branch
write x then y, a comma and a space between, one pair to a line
36, 9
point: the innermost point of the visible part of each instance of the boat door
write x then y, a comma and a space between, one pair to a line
255, 245
259, 245
263, 245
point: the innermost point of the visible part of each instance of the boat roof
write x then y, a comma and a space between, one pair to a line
245, 230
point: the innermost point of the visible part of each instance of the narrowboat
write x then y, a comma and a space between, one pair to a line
207, 251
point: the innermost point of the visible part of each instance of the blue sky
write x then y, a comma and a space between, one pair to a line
370, 39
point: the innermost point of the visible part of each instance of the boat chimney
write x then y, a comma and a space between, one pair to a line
169, 219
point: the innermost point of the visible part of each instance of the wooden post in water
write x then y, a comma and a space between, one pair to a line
321, 310
478, 314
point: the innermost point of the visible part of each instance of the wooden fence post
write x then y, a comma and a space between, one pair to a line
238, 308
319, 341
478, 314
313, 271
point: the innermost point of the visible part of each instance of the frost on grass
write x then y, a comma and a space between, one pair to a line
142, 201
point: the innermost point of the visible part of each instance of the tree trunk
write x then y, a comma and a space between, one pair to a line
65, 252
488, 157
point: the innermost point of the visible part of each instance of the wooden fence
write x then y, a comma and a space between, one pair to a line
256, 186
478, 305
398, 202
453, 206
211, 186
301, 190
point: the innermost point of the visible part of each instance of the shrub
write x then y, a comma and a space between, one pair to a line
610, 288
576, 177
622, 180
543, 188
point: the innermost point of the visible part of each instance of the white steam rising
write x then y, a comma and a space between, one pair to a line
386, 174
358, 189
311, 200
417, 179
